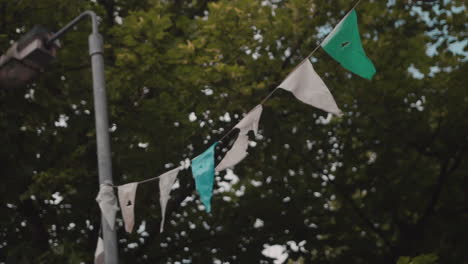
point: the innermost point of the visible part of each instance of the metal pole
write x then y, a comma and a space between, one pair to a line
102, 132
101, 116
102, 123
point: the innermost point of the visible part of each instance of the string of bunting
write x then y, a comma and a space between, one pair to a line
343, 44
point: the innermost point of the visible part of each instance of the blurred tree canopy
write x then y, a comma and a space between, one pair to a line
386, 183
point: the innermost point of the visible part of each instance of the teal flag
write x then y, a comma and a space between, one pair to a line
344, 45
203, 171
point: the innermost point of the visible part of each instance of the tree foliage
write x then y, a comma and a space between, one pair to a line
386, 180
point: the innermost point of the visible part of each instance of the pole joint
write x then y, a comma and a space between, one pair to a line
95, 44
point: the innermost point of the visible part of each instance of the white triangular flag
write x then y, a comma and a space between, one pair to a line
238, 150
236, 154
127, 195
108, 204
166, 181
308, 87
250, 121
99, 253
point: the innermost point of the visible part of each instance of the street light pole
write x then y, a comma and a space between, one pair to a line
102, 133
102, 124
32, 53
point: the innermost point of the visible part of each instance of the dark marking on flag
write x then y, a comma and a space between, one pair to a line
344, 44
129, 203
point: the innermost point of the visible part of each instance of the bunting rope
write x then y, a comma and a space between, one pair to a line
343, 44
262, 102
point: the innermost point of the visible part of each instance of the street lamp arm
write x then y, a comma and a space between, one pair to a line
75, 21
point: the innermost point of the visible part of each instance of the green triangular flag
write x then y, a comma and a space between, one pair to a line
344, 45
203, 171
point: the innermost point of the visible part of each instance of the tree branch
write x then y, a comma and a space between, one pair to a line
367, 221
445, 171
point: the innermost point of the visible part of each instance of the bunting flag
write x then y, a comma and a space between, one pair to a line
344, 45
99, 253
203, 173
108, 204
166, 181
127, 195
309, 88
250, 121
236, 154
239, 149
